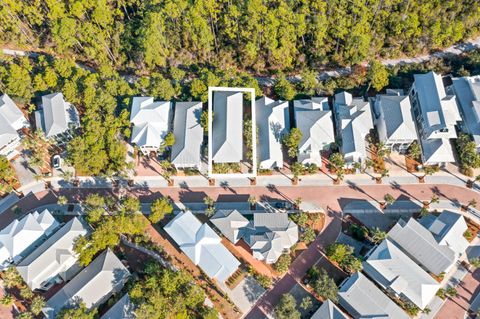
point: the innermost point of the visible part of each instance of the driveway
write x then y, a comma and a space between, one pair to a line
25, 174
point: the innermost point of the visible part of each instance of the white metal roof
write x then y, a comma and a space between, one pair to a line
328, 310
448, 229
437, 151
227, 127
11, 120
273, 122
202, 245
439, 110
394, 118
122, 309
362, 299
150, 121
231, 223
54, 256
56, 114
354, 122
419, 243
392, 269
93, 285
314, 119
21, 234
188, 134
467, 91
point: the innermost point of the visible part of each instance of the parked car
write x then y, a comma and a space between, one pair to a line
56, 161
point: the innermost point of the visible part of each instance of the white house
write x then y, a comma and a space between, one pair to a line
362, 299
467, 91
354, 121
93, 285
186, 152
55, 259
436, 115
388, 266
394, 120
273, 122
203, 246
56, 117
12, 121
314, 119
151, 122
227, 127
20, 235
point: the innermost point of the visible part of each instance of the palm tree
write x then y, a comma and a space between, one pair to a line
389, 199
62, 200
252, 201
297, 202
428, 170
424, 211
434, 199
378, 235
471, 203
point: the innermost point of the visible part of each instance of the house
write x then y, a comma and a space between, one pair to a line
227, 127
186, 152
203, 246
362, 299
354, 121
328, 310
420, 245
57, 117
448, 229
20, 235
314, 119
122, 309
269, 235
393, 270
104, 276
54, 260
273, 122
467, 91
12, 121
436, 115
394, 120
151, 122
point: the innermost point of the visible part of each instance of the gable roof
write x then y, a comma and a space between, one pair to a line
439, 110
437, 150
54, 256
21, 234
314, 119
419, 243
394, 117
328, 310
188, 134
394, 270
122, 309
354, 122
362, 299
11, 120
202, 245
230, 223
227, 127
56, 114
150, 121
467, 91
448, 229
93, 285
273, 122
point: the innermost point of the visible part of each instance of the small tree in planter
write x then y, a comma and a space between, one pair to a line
210, 210
428, 170
297, 202
252, 200
424, 211
433, 200
388, 200
471, 182
471, 203
337, 165
297, 169
377, 235
62, 200
383, 173
291, 141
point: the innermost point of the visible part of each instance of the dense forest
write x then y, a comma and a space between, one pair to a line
259, 36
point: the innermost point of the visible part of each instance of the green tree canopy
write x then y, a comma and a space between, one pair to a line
159, 209
287, 308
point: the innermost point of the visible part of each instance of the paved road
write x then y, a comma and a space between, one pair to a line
330, 198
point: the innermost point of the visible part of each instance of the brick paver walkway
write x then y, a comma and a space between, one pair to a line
455, 308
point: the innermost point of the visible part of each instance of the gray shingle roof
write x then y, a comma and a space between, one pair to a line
54, 256
227, 127
328, 310
93, 285
188, 134
230, 223
362, 299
